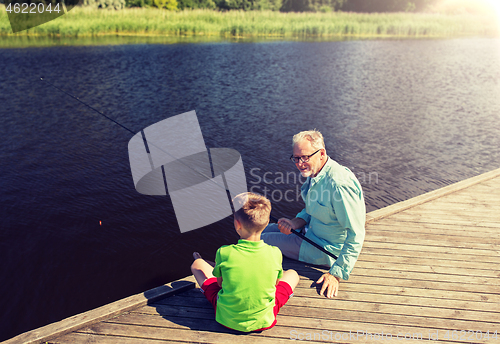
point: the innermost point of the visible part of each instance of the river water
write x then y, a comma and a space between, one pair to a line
406, 117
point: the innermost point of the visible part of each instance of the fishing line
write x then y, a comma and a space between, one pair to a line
87, 105
200, 173
146, 143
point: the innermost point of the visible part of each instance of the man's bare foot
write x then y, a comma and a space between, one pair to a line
196, 255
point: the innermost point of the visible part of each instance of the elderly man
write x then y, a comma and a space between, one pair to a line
334, 216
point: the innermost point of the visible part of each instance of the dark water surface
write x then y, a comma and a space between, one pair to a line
406, 116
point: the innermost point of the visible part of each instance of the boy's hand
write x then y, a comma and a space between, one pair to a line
330, 284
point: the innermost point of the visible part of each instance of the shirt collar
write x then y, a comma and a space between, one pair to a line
249, 243
321, 173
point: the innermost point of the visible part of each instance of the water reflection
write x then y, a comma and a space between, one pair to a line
406, 117
25, 41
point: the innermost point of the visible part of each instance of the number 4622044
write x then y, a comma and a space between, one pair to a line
32, 8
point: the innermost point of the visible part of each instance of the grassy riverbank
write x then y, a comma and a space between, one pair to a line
86, 22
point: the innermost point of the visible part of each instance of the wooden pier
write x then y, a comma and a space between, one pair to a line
429, 269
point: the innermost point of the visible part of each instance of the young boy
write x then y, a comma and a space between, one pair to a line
247, 287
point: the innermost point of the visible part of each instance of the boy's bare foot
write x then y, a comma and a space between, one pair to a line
196, 255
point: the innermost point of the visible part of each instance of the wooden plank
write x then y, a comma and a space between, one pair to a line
488, 185
473, 214
379, 285
423, 227
410, 264
398, 207
468, 194
413, 221
432, 237
485, 193
479, 308
492, 183
281, 331
438, 232
307, 289
359, 296
190, 329
73, 323
377, 322
468, 198
428, 269
477, 284
438, 308
394, 261
445, 278
86, 338
465, 200
488, 269
403, 252
415, 270
184, 310
450, 214
433, 240
404, 225
376, 290
288, 313
472, 207
486, 190
423, 218
346, 287
400, 282
371, 306
492, 255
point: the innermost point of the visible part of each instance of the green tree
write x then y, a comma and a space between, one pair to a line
273, 5
311, 5
168, 4
193, 4
139, 3
109, 4
234, 4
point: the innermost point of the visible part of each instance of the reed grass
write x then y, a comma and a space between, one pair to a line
85, 22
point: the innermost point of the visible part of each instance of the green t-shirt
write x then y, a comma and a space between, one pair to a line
249, 271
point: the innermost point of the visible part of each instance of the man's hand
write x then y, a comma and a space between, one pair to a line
330, 284
286, 225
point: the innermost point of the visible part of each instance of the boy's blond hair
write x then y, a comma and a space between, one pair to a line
254, 212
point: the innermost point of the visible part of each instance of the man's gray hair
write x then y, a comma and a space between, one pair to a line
314, 136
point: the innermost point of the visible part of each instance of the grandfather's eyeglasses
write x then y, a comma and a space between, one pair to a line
303, 158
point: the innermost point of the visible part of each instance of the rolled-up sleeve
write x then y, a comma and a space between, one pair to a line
304, 216
349, 207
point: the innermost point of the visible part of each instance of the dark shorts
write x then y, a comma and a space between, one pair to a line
211, 289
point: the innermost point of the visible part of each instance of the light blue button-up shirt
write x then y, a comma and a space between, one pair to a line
335, 213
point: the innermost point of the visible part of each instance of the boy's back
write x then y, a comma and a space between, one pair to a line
249, 272
243, 285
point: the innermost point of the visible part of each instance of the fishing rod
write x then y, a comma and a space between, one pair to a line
202, 174
299, 234
87, 105
143, 136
